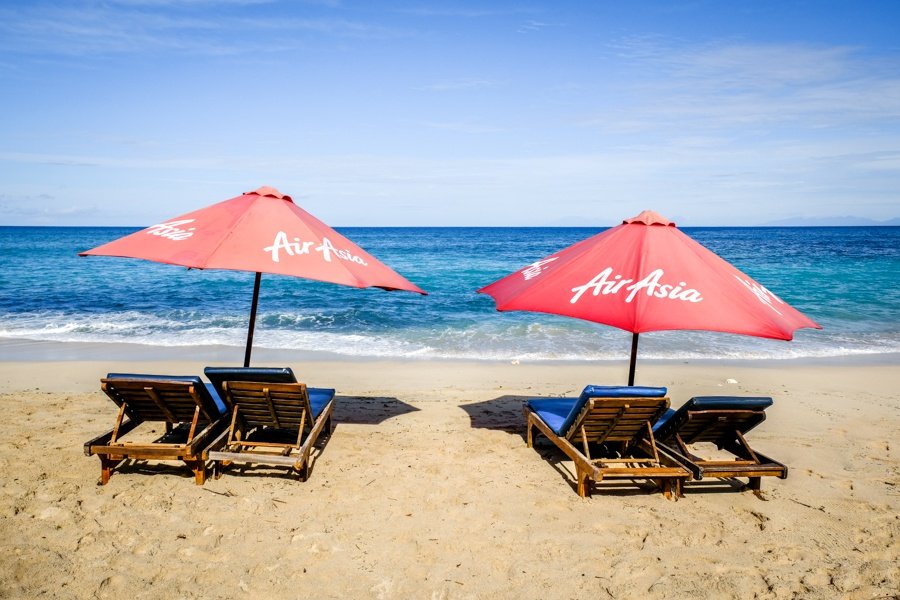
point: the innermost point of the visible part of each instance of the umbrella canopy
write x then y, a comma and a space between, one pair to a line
646, 275
263, 232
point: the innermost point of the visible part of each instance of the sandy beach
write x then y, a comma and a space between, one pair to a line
426, 489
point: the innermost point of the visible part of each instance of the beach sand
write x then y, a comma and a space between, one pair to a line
426, 489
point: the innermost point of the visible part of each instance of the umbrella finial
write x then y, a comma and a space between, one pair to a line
270, 192
649, 217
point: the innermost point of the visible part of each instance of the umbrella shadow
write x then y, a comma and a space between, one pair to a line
368, 410
503, 413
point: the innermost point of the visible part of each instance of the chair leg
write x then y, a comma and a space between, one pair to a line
199, 469
529, 433
666, 486
754, 484
219, 467
584, 488
106, 468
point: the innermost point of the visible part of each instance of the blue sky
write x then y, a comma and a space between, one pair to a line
128, 112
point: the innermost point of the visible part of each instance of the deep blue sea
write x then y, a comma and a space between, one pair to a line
845, 278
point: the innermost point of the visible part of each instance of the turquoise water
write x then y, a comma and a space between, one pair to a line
845, 278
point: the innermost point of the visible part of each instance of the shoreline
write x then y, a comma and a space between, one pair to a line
29, 350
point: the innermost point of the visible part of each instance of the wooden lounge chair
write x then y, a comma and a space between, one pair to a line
270, 413
191, 411
613, 423
723, 421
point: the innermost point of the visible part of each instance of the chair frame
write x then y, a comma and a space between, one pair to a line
608, 420
258, 409
148, 400
719, 426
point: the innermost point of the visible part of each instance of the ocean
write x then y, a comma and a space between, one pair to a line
845, 278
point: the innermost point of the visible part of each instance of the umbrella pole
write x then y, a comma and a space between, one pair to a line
634, 346
252, 319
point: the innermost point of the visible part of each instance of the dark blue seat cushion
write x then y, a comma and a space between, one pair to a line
669, 421
553, 411
560, 413
318, 398
208, 394
219, 375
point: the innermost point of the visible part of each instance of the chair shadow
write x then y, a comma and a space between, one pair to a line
368, 410
503, 413
356, 410
552, 455
142, 466
723, 485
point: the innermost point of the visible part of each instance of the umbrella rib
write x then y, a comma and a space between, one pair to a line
231, 231
359, 283
745, 301
559, 272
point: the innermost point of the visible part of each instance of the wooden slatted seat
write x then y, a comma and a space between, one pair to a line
191, 411
723, 421
271, 411
614, 421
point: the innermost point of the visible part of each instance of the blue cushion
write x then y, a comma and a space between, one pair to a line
318, 398
667, 416
553, 410
208, 394
729, 402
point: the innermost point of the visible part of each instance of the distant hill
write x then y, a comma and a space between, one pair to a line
830, 222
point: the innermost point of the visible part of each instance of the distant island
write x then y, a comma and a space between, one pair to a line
831, 222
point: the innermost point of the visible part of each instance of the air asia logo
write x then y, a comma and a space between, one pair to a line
605, 283
761, 293
172, 230
296, 248
535, 269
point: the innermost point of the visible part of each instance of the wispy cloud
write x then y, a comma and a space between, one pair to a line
532, 26
462, 84
160, 26
726, 86
41, 208
465, 13
463, 127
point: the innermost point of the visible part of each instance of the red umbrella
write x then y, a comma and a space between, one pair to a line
263, 232
646, 275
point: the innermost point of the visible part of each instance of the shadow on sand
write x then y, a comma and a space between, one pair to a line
368, 410
503, 413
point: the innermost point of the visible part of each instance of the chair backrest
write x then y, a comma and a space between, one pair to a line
617, 419
608, 391
614, 413
261, 404
714, 418
219, 375
169, 398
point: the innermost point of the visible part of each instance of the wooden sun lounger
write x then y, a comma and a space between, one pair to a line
184, 404
269, 417
723, 421
617, 422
